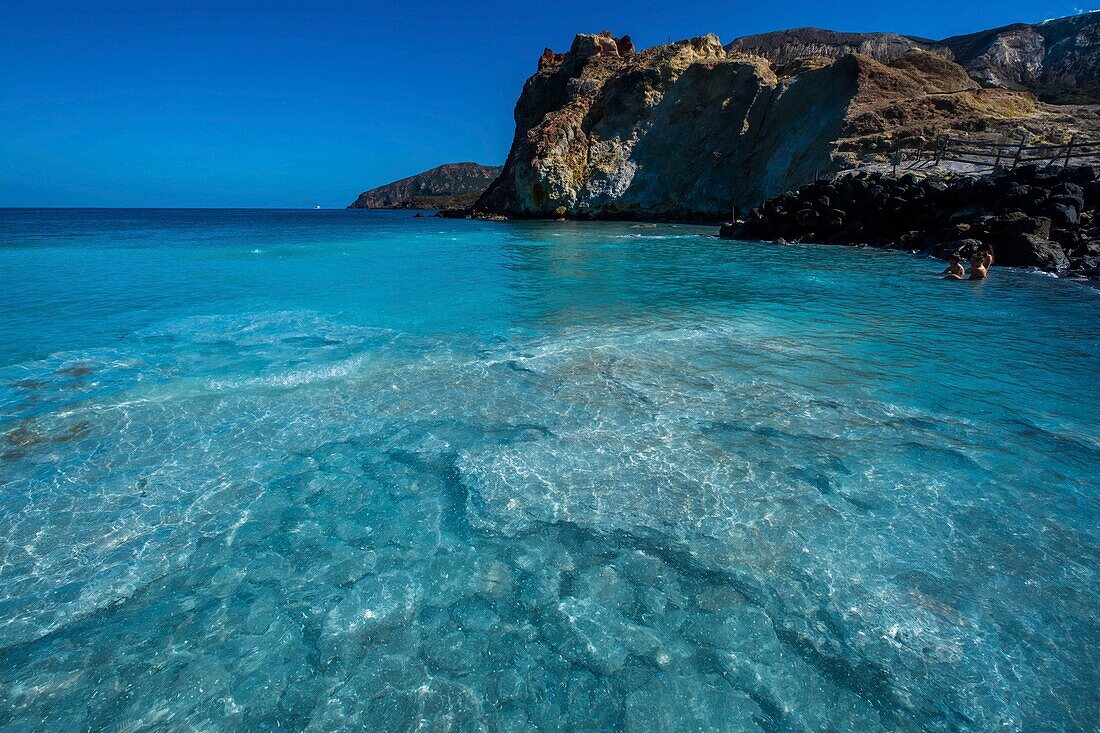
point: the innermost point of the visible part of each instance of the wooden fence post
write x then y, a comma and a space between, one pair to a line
941, 148
997, 162
1069, 152
1020, 150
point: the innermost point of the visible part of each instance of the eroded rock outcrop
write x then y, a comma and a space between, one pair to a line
606, 132
683, 131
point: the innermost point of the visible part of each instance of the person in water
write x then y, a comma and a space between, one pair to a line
987, 254
954, 270
978, 267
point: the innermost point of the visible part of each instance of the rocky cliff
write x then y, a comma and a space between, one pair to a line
452, 184
602, 131
683, 130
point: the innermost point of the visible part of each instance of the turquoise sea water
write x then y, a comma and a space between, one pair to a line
301, 470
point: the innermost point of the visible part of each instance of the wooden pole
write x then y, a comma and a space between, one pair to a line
997, 162
1069, 152
941, 149
1020, 150
733, 194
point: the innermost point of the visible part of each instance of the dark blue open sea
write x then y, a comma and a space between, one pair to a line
342, 470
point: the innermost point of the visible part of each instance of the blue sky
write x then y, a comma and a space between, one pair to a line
279, 104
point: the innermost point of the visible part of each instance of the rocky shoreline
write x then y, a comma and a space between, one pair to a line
683, 131
680, 131
1031, 216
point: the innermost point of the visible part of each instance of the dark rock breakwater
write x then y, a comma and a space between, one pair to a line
1032, 217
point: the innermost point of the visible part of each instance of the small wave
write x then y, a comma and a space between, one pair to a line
659, 236
295, 378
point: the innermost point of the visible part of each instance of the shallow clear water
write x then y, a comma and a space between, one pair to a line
358, 471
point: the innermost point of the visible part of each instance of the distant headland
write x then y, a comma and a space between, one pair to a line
449, 185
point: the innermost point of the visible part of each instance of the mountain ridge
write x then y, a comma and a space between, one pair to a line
1058, 59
